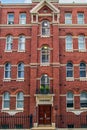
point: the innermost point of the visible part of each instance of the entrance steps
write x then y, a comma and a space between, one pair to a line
44, 128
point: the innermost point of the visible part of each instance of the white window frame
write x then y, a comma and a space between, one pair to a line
68, 18
47, 54
9, 43
7, 78
21, 43
83, 98
45, 83
46, 28
5, 100
10, 20
69, 99
20, 78
80, 20
69, 43
19, 100
81, 43
22, 20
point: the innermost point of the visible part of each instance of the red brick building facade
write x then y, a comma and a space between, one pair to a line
43, 64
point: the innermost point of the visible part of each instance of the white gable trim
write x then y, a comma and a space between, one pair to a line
41, 4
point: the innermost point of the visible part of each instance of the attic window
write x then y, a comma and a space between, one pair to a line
45, 11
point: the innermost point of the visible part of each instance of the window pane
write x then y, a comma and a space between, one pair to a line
11, 18
45, 55
8, 70
69, 43
9, 42
68, 18
81, 42
80, 18
23, 18
44, 80
82, 70
22, 43
45, 28
69, 70
21, 70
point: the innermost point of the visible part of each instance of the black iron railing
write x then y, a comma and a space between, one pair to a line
44, 91
71, 121
16, 122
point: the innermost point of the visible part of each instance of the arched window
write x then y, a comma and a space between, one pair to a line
69, 69
45, 55
6, 100
45, 28
44, 84
7, 70
82, 70
21, 44
20, 100
83, 99
70, 99
69, 42
21, 70
9, 42
81, 42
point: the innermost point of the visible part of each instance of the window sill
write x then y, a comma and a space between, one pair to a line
8, 50
69, 78
82, 50
7, 80
69, 50
45, 36
11, 112
21, 50
45, 64
20, 79
83, 78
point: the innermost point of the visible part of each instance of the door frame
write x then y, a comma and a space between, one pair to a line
43, 111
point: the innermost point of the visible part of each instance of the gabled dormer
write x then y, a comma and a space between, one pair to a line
43, 10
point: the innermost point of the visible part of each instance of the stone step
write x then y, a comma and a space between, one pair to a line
44, 128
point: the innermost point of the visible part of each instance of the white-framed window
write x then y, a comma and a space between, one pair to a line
45, 81
80, 18
21, 43
10, 18
6, 100
69, 70
82, 69
68, 18
69, 43
7, 72
45, 55
21, 71
81, 43
22, 18
45, 28
70, 100
9, 42
83, 99
20, 100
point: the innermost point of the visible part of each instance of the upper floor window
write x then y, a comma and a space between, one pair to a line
7, 70
69, 43
6, 100
69, 70
9, 42
10, 18
21, 70
21, 44
83, 99
80, 18
82, 70
81, 43
45, 28
68, 18
69, 99
45, 56
45, 80
22, 18
20, 100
